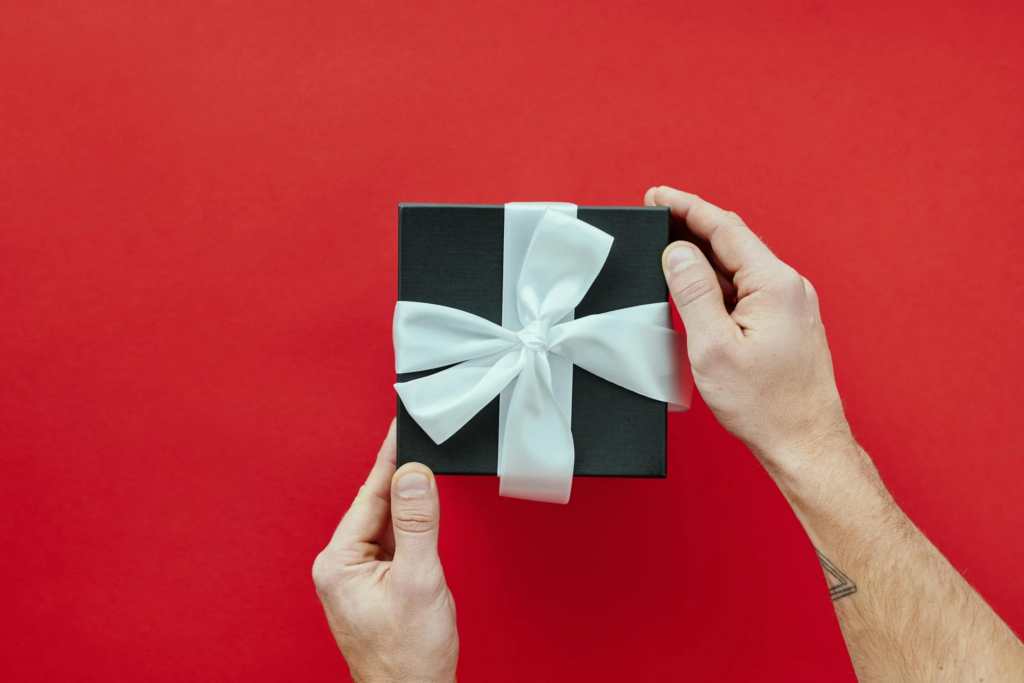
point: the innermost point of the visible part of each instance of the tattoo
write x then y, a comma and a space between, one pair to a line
839, 584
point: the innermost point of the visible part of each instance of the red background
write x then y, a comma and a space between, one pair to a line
197, 273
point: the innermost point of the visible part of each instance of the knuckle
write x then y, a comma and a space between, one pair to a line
686, 291
324, 576
732, 218
790, 281
415, 519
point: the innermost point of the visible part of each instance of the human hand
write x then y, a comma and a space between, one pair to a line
754, 336
380, 578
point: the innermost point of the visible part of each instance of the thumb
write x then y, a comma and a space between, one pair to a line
696, 292
415, 518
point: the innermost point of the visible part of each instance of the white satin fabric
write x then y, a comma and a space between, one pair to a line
521, 220
633, 347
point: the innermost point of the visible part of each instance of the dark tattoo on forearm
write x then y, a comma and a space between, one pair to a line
839, 584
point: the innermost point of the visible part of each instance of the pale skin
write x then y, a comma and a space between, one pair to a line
761, 362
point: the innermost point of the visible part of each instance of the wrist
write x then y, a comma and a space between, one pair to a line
389, 678
804, 462
390, 675
834, 489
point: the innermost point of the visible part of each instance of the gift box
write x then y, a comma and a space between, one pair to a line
453, 256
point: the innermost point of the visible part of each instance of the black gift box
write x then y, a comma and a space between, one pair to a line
452, 255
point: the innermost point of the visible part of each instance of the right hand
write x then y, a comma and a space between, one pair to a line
763, 366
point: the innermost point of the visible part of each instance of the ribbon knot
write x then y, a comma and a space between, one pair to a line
635, 348
535, 336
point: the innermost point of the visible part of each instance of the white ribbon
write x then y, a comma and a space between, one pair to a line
635, 348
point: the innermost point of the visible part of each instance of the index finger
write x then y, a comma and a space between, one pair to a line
367, 519
735, 246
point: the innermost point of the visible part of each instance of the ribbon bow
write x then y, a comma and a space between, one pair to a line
632, 347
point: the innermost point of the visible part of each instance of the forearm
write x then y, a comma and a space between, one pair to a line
905, 613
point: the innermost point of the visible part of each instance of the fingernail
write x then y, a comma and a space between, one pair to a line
679, 258
413, 485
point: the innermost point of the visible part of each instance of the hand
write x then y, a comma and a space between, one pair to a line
380, 579
762, 364
764, 368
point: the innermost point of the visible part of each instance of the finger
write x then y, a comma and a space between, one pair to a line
732, 242
696, 292
415, 519
649, 197
681, 232
367, 519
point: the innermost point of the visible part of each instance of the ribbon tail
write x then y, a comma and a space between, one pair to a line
443, 402
538, 453
659, 315
636, 349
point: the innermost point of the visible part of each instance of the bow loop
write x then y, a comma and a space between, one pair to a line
564, 258
429, 336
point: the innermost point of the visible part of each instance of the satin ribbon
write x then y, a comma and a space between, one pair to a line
635, 348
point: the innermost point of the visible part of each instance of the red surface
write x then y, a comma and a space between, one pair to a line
197, 272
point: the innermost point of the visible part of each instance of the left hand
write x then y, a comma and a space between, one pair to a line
380, 579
